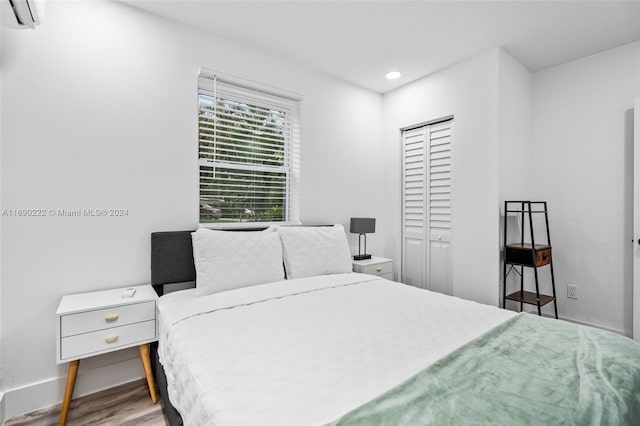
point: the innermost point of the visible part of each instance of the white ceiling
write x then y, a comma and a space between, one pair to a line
359, 41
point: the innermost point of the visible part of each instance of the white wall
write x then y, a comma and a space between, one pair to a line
469, 91
583, 166
99, 111
514, 149
514, 128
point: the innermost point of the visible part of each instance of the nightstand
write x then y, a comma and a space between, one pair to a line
380, 266
99, 322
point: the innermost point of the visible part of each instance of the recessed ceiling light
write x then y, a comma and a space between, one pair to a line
393, 75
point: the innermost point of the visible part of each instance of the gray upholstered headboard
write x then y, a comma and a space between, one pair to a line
172, 260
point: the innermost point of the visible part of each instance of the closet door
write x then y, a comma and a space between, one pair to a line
426, 207
440, 277
414, 215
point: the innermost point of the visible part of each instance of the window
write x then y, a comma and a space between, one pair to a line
248, 152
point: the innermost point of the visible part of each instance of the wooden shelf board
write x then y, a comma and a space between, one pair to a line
525, 211
527, 246
526, 265
529, 298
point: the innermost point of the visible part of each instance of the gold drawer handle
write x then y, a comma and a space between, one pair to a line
111, 339
111, 318
379, 269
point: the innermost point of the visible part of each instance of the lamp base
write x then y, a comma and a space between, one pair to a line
362, 257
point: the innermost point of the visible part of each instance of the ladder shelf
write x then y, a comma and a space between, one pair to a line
529, 255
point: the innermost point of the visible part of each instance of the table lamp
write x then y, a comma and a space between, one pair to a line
362, 226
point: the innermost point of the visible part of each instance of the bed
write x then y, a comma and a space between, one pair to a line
327, 346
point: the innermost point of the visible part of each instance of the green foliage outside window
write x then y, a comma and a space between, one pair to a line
244, 175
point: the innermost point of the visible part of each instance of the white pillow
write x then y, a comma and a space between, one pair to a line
227, 260
315, 250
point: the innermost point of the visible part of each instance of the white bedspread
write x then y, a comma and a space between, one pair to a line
305, 351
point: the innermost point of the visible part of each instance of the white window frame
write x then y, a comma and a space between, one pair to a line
213, 84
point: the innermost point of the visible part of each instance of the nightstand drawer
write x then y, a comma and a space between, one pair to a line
378, 268
82, 345
100, 319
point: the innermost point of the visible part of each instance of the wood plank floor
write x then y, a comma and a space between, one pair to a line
125, 405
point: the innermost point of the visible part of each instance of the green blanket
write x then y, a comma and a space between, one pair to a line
528, 370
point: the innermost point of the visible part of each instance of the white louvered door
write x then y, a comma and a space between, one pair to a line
439, 208
426, 207
413, 207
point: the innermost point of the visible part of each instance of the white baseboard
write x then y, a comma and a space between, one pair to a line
601, 327
611, 330
50, 392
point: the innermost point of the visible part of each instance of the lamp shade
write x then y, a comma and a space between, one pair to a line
362, 225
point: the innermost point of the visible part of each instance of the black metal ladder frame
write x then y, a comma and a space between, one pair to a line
529, 212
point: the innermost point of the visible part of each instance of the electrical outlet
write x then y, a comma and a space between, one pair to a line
572, 291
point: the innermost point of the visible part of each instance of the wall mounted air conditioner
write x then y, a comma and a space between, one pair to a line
26, 13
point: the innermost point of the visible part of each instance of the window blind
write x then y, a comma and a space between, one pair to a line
249, 151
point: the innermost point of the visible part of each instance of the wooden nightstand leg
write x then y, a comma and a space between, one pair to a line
146, 362
68, 393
